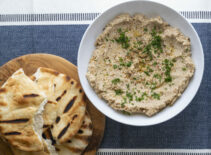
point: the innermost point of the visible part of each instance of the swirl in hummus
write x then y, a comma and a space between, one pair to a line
140, 64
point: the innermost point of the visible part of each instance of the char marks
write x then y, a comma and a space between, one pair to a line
15, 121
58, 119
59, 98
12, 133
63, 131
70, 104
30, 95
80, 131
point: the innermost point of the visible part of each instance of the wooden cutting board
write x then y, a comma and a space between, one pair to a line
30, 63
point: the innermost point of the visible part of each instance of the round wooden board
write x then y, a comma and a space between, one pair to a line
30, 63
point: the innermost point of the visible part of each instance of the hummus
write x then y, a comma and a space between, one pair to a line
140, 64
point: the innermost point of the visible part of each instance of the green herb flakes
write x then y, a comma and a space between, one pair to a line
184, 69
128, 64
155, 96
126, 113
115, 66
119, 92
129, 96
123, 39
115, 81
168, 65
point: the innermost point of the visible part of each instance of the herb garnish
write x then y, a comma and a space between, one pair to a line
115, 81
142, 97
129, 96
168, 65
123, 39
126, 113
147, 73
118, 92
129, 64
184, 69
115, 66
156, 44
157, 76
155, 63
156, 96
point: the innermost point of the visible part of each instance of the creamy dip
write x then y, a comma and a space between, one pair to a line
140, 64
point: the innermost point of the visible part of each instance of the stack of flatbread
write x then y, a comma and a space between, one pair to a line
44, 114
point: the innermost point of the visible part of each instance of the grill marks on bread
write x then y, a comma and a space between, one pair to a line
59, 97
12, 133
77, 144
63, 131
15, 121
68, 95
20, 99
70, 104
30, 95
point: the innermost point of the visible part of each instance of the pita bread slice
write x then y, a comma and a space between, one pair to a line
68, 94
77, 144
21, 107
48, 150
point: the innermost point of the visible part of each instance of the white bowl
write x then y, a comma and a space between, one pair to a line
150, 9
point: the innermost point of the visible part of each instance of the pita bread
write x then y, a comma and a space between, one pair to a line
48, 150
77, 144
21, 106
68, 94
49, 114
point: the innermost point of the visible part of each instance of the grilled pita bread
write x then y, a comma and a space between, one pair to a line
48, 150
68, 94
77, 144
21, 106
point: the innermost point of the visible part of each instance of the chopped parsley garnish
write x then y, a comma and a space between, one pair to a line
122, 63
168, 65
126, 113
124, 102
129, 64
118, 92
156, 41
115, 66
153, 85
147, 50
147, 83
147, 73
129, 96
155, 63
139, 99
128, 86
156, 96
174, 60
115, 81
123, 39
149, 69
120, 59
157, 76
184, 69
139, 42
143, 95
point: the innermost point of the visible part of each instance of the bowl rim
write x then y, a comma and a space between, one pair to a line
196, 88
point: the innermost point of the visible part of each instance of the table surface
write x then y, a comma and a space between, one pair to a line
56, 27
